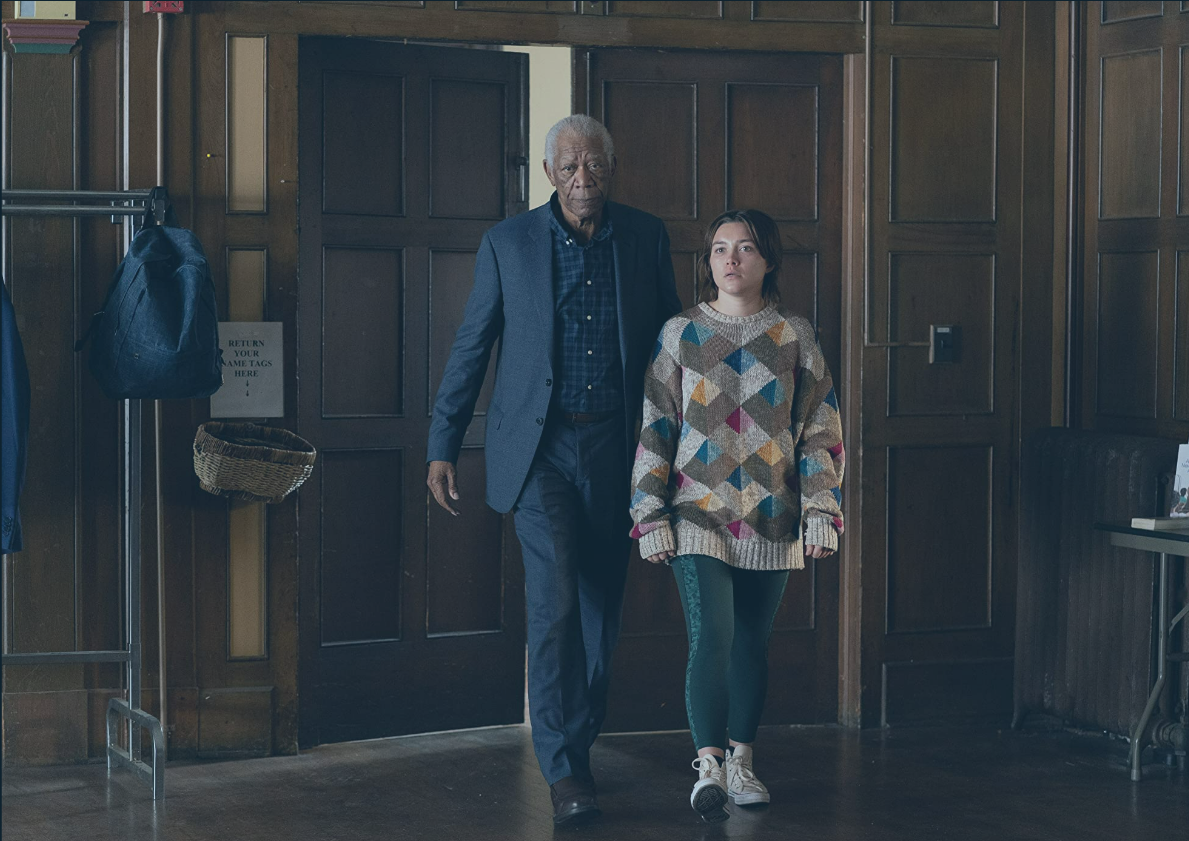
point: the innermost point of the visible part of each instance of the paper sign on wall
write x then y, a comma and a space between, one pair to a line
253, 371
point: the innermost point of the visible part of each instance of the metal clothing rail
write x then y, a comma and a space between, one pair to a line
120, 204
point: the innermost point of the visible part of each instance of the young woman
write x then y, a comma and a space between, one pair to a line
737, 478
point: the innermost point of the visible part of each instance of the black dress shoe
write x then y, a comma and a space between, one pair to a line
574, 801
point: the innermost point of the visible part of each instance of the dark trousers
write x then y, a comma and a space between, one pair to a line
573, 523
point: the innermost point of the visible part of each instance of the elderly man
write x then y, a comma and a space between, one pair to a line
576, 291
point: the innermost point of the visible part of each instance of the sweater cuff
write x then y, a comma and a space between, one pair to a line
819, 531
659, 539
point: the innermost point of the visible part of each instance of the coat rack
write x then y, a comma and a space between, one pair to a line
115, 204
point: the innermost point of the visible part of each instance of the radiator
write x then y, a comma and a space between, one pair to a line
1085, 620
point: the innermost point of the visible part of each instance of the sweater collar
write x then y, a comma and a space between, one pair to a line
766, 314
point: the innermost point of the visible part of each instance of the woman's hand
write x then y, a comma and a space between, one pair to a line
661, 557
817, 551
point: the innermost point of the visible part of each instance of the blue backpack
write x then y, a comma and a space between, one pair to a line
157, 336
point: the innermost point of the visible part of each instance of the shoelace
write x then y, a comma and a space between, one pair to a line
745, 773
700, 766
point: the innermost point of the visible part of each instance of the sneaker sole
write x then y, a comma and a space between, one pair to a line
716, 817
750, 799
708, 801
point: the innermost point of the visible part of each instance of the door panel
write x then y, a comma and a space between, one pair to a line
362, 170
666, 185
361, 557
459, 111
362, 332
410, 620
696, 134
773, 124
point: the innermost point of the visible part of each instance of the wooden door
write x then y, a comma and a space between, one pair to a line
940, 440
696, 134
410, 620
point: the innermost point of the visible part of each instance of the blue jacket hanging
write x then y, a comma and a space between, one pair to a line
14, 425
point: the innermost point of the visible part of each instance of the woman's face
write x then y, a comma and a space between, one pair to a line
736, 263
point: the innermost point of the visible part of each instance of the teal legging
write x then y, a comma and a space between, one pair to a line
728, 617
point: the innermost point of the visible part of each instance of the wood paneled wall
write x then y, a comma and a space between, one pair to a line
965, 218
1134, 272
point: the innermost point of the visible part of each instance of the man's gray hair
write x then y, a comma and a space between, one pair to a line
581, 125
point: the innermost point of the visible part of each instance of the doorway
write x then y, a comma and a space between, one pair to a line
411, 621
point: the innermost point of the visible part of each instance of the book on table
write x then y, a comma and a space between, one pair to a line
1161, 523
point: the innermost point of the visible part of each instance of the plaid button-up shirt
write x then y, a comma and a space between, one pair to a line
588, 370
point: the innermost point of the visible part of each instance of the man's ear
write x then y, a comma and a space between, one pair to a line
548, 172
614, 163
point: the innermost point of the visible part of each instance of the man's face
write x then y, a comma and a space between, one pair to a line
582, 174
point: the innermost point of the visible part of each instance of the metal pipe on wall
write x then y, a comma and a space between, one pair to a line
161, 681
4, 77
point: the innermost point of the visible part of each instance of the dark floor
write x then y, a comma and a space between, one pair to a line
826, 784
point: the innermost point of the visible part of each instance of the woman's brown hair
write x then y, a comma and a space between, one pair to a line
766, 236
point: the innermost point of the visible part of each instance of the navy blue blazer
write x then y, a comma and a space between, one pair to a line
513, 301
14, 425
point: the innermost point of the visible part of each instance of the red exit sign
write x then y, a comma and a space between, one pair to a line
165, 6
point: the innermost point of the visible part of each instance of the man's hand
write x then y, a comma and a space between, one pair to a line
817, 551
661, 557
441, 484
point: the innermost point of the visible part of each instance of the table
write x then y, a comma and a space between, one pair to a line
1163, 543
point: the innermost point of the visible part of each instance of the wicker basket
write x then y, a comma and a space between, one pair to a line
247, 461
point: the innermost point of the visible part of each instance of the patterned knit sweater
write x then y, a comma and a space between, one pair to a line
741, 441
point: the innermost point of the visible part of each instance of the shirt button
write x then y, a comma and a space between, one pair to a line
588, 283
540, 421
589, 387
588, 318
590, 353
569, 241
548, 382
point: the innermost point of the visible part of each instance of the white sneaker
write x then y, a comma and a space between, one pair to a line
710, 791
742, 784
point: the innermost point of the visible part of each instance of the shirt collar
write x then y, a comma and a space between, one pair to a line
561, 228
